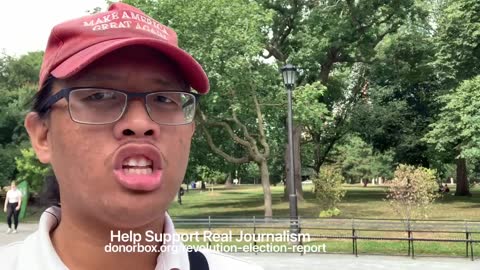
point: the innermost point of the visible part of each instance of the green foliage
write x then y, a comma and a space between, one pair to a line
30, 169
327, 187
412, 192
18, 72
401, 96
458, 41
458, 124
309, 111
209, 175
330, 213
18, 82
7, 164
358, 161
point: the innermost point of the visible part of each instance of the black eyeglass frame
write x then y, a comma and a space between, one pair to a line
65, 93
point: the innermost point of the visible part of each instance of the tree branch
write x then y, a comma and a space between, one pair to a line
219, 152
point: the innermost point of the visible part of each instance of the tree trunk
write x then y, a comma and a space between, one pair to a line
463, 188
267, 195
228, 181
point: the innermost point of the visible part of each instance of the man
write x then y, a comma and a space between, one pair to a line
181, 192
13, 202
114, 118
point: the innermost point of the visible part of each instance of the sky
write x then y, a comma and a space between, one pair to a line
25, 24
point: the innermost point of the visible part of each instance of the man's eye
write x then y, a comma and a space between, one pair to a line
163, 99
100, 96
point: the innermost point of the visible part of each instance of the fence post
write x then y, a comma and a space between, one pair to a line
210, 229
354, 239
467, 237
410, 238
471, 246
410, 242
254, 234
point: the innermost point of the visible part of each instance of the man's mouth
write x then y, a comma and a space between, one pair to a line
138, 167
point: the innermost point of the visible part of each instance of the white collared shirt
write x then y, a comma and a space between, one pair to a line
36, 252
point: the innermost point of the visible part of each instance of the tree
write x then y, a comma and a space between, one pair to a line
458, 41
18, 82
401, 99
332, 42
458, 55
358, 161
456, 132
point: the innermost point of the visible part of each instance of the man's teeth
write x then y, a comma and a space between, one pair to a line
137, 161
137, 171
137, 165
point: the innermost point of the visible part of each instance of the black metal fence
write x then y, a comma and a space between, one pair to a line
356, 230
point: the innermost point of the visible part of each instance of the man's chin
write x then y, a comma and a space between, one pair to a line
133, 218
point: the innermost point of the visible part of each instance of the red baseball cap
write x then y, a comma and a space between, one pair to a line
75, 44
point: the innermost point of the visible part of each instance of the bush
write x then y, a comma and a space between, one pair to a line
30, 169
330, 212
210, 176
7, 164
327, 187
412, 191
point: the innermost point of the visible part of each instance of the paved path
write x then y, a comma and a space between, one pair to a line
313, 261
350, 262
24, 229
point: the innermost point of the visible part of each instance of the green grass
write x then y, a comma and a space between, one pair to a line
359, 202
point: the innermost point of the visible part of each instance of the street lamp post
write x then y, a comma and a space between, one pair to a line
289, 73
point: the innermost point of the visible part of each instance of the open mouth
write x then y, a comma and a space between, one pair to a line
140, 165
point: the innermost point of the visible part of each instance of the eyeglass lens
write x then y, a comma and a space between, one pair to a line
99, 106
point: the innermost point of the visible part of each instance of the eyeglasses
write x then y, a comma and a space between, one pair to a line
98, 106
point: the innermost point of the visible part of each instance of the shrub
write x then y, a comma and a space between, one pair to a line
327, 187
7, 164
412, 192
30, 169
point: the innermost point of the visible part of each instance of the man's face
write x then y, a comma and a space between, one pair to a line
89, 159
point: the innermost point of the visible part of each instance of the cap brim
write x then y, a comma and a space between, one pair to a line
190, 68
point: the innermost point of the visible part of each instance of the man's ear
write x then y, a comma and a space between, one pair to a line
37, 129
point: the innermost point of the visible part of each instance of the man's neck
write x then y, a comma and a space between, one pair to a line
81, 245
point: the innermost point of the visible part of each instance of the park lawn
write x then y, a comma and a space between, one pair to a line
247, 201
359, 202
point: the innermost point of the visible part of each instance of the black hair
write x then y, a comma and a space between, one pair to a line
50, 195
40, 98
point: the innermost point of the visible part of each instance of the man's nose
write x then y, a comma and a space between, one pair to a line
135, 121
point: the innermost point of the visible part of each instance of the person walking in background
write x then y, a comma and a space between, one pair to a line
181, 192
13, 201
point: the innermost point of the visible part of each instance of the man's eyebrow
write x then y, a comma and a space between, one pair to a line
93, 77
114, 77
